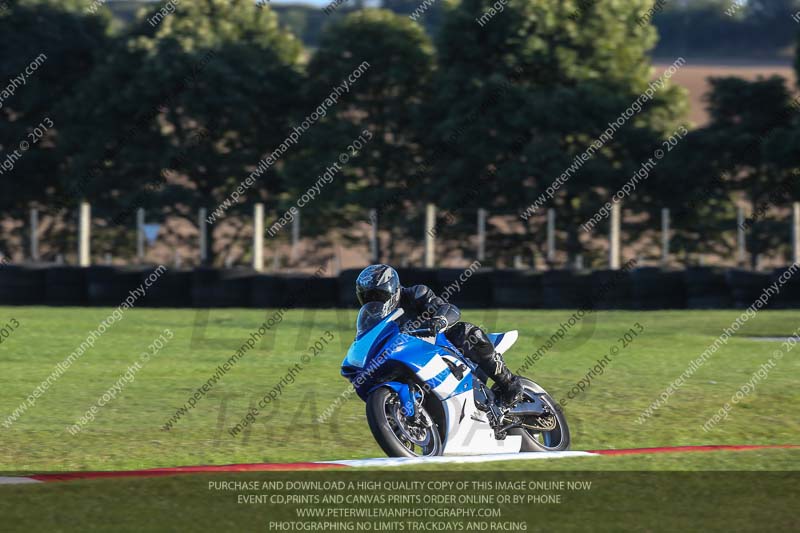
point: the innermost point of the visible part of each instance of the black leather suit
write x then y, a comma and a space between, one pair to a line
420, 302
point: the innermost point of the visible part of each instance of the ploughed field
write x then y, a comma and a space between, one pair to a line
693, 76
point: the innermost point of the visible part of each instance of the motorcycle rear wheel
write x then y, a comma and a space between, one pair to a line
555, 440
396, 435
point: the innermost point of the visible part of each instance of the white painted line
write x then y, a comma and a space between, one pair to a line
17, 480
404, 461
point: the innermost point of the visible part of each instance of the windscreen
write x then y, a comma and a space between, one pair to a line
371, 314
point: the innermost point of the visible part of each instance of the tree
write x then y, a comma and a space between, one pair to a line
521, 94
396, 60
46, 49
752, 139
203, 94
430, 15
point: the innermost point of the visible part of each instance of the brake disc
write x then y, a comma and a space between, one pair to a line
547, 423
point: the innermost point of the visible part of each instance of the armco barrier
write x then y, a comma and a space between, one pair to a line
641, 288
467, 290
565, 289
789, 295
294, 291
65, 285
221, 288
611, 289
310, 291
347, 287
108, 286
204, 287
267, 291
519, 289
745, 286
22, 285
172, 289
420, 276
707, 288
653, 288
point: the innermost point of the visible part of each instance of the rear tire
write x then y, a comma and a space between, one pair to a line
394, 434
555, 440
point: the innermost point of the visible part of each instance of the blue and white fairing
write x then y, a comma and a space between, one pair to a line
383, 345
380, 347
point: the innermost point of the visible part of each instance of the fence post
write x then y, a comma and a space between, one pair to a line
665, 235
338, 261
430, 242
34, 234
258, 237
295, 237
373, 236
740, 237
140, 234
481, 234
796, 233
84, 228
614, 236
201, 226
551, 235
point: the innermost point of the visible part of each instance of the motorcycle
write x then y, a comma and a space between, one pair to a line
425, 398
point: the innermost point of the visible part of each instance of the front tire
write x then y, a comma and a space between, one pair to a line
555, 440
396, 435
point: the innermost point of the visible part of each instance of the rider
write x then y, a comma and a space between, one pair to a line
380, 283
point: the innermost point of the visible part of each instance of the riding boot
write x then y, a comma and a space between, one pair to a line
507, 385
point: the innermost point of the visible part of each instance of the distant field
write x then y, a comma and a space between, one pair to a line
128, 432
694, 77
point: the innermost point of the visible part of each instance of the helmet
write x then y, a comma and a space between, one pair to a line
379, 283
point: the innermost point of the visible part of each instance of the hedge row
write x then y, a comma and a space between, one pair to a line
643, 288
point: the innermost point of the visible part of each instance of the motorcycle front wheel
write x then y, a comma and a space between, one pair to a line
398, 435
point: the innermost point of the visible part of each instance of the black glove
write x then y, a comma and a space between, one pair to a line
438, 324
430, 327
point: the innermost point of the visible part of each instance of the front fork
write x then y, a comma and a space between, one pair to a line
409, 395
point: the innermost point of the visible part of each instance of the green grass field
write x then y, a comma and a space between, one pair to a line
128, 432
